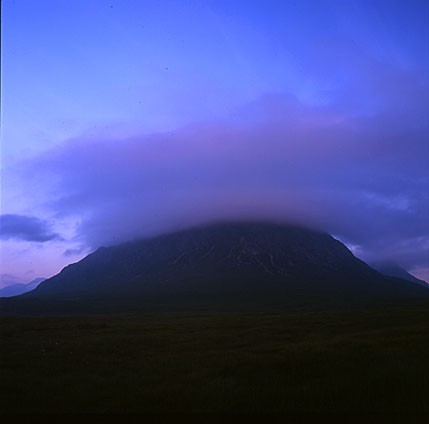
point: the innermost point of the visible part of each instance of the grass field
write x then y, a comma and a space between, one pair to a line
372, 361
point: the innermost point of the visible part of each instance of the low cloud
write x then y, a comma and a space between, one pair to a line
27, 228
363, 178
72, 252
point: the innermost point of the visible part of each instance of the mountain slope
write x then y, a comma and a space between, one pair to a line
224, 266
17, 289
392, 269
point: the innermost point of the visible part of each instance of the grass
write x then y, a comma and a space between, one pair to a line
371, 361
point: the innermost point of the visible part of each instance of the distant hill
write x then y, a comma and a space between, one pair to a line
392, 269
229, 266
17, 289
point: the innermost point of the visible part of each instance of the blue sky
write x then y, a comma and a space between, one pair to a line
225, 93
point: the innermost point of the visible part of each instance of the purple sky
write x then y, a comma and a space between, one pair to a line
125, 118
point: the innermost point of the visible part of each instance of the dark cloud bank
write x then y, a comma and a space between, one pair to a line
27, 228
362, 178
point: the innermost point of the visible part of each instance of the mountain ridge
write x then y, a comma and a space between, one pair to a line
235, 263
392, 269
15, 289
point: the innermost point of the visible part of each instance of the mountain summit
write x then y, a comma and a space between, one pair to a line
223, 266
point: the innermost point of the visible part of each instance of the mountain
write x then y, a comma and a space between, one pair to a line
17, 288
227, 266
392, 269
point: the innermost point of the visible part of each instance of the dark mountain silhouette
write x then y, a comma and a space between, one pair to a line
18, 288
392, 269
232, 266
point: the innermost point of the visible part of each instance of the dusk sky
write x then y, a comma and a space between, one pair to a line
128, 118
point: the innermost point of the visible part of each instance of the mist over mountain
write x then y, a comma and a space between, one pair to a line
226, 266
313, 112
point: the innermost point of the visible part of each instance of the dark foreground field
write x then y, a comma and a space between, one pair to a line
373, 361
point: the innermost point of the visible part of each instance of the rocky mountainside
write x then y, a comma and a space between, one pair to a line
230, 265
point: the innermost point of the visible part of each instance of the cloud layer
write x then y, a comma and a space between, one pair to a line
26, 228
361, 177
